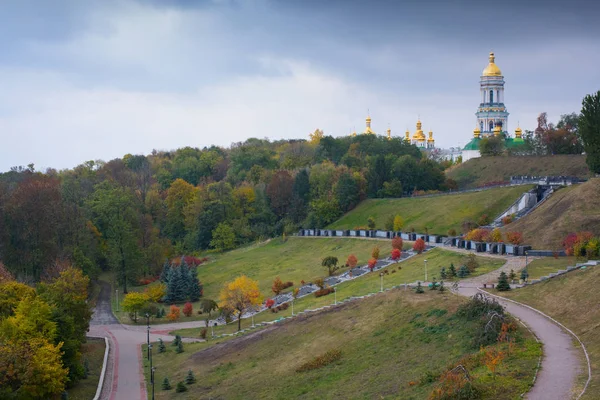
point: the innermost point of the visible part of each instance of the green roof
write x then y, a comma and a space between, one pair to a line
473, 144
512, 143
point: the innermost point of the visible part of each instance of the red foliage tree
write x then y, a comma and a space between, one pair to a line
352, 261
396, 254
188, 309
269, 303
397, 243
280, 191
372, 263
419, 245
278, 286
515, 238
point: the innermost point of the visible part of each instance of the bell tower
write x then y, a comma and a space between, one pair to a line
492, 111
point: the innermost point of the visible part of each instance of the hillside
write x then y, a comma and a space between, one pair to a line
393, 345
572, 299
479, 171
438, 214
572, 209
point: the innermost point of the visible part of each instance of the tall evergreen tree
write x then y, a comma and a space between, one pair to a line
175, 288
195, 291
589, 130
185, 277
503, 284
164, 275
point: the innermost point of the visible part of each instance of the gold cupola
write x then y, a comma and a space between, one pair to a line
431, 139
407, 136
368, 129
518, 133
492, 69
497, 130
476, 132
419, 135
389, 134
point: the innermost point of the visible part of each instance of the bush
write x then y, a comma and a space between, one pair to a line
174, 313
396, 254
507, 220
452, 232
318, 362
484, 220
375, 252
180, 387
320, 283
190, 378
188, 309
372, 263
161, 346
515, 238
419, 245
269, 303
397, 243
503, 284
166, 385
179, 347
288, 284
156, 292
203, 333
371, 223
323, 292
352, 261
478, 235
463, 271
419, 288
471, 263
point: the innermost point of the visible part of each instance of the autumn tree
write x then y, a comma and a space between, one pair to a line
372, 263
352, 261
375, 252
133, 303
330, 262
398, 223
419, 246
397, 243
277, 286
589, 130
280, 191
240, 295
223, 238
395, 255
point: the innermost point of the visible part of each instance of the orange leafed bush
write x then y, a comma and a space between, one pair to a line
397, 243
188, 309
419, 245
478, 235
515, 238
320, 361
396, 254
372, 263
352, 261
174, 313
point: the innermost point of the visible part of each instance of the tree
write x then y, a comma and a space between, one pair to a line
515, 238
463, 271
208, 306
133, 303
419, 288
164, 275
491, 146
589, 130
176, 287
396, 254
330, 262
352, 261
280, 191
180, 196
347, 191
372, 263
166, 385
471, 263
397, 243
524, 275
179, 348
512, 275
452, 270
188, 309
371, 223
174, 313
443, 273
190, 378
195, 287
240, 295
389, 223
277, 286
161, 346
223, 237
375, 252
503, 284
398, 223
419, 246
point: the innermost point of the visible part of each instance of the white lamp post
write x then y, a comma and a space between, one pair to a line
425, 270
334, 296
381, 279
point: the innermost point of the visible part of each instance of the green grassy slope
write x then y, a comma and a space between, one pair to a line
93, 351
573, 300
547, 265
438, 214
572, 209
393, 345
479, 171
407, 271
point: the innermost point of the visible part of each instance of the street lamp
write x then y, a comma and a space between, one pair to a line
212, 329
150, 351
334, 296
381, 279
425, 270
253, 320
152, 370
525, 259
148, 333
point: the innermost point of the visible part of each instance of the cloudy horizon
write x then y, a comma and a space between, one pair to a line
97, 80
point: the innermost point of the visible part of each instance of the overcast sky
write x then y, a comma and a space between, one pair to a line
83, 80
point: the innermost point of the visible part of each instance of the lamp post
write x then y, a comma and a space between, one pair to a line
253, 320
425, 270
293, 306
148, 333
334, 296
152, 370
525, 259
150, 352
212, 329
381, 280
117, 294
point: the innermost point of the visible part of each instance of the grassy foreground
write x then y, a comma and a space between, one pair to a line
93, 351
573, 300
393, 345
479, 171
547, 265
437, 214
408, 271
572, 209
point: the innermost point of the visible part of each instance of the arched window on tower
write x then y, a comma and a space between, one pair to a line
481, 126
491, 96
491, 125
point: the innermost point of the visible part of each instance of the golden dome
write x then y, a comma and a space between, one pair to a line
518, 132
497, 130
368, 129
419, 135
431, 139
492, 69
476, 132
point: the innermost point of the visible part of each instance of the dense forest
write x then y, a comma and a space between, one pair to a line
131, 213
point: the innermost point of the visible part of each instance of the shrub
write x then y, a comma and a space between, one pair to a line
463, 271
190, 378
371, 223
443, 273
327, 358
320, 283
419, 245
396, 254
188, 309
174, 313
515, 238
495, 236
176, 341
503, 284
352, 261
180, 387
156, 292
507, 220
592, 248
524, 274
277, 286
161, 346
419, 288
478, 235
454, 384
372, 263
288, 284
452, 232
471, 262
269, 303
375, 252
576, 244
179, 347
397, 243
203, 333
484, 220
166, 385
389, 223
323, 292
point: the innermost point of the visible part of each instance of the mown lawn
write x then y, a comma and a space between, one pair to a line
93, 351
572, 299
547, 265
393, 345
436, 214
408, 271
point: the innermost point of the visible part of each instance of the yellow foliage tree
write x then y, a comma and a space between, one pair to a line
134, 302
156, 292
11, 293
398, 223
495, 235
239, 296
316, 136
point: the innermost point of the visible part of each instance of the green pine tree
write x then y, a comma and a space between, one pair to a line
512, 275
433, 285
443, 273
442, 288
186, 279
195, 286
179, 347
524, 275
463, 271
161, 346
452, 270
190, 378
503, 284
176, 287
166, 385
177, 340
164, 275
419, 288
180, 387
